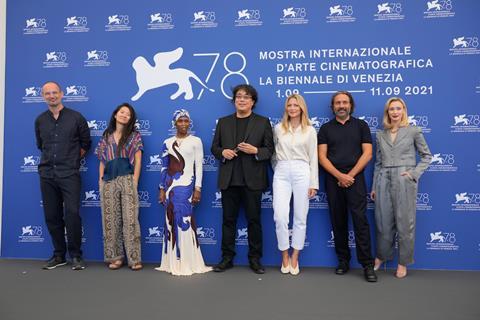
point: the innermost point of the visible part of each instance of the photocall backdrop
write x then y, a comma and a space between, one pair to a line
189, 54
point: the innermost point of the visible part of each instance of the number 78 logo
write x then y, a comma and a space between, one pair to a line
150, 77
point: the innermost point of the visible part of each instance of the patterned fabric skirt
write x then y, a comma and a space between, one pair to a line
182, 256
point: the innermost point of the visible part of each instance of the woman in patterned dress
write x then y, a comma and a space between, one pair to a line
120, 154
180, 189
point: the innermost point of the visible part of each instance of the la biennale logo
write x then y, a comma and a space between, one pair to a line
341, 13
465, 123
76, 93
32, 91
267, 200
155, 159
152, 77
217, 201
206, 235
389, 11
30, 164
242, 237
294, 15
248, 18
160, 21
97, 58
204, 19
154, 235
30, 161
31, 233
466, 201
118, 22
155, 163
442, 162
420, 121
76, 24
384, 8
464, 45
439, 9
32, 94
91, 198
55, 59
440, 240
35, 26
433, 5
244, 14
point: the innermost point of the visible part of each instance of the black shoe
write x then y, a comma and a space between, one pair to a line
342, 268
54, 262
224, 265
78, 264
257, 267
369, 273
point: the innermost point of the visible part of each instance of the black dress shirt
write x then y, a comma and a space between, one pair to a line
60, 141
344, 141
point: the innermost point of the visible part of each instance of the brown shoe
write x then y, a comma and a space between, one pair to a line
115, 265
137, 266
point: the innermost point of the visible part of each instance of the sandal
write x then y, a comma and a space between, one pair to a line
401, 272
137, 266
115, 265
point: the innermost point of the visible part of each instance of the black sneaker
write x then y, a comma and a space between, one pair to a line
256, 266
78, 264
369, 274
54, 262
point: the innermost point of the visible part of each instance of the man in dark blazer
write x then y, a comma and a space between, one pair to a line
243, 143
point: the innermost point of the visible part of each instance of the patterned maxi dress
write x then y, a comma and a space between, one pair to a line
181, 173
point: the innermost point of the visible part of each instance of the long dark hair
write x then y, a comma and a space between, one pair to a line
127, 130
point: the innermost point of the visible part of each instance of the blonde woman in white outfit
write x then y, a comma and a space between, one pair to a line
295, 171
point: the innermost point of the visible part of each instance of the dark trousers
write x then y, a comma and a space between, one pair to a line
353, 199
232, 198
61, 205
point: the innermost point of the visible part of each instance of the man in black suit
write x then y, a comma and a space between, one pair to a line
243, 143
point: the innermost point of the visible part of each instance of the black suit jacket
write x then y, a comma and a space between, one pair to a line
258, 134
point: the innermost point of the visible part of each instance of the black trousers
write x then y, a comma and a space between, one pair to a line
61, 205
353, 199
232, 198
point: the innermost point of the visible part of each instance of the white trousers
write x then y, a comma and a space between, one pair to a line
292, 176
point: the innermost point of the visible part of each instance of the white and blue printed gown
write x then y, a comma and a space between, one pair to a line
181, 173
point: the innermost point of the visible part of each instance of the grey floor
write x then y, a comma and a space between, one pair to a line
27, 292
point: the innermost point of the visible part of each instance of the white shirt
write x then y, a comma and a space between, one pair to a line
297, 144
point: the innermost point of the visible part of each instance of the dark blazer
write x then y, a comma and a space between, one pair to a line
258, 134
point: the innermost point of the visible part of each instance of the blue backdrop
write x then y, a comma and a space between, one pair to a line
188, 54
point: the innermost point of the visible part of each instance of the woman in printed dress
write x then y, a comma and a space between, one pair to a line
180, 189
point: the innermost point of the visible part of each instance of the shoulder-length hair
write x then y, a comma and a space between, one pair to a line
387, 124
304, 120
128, 129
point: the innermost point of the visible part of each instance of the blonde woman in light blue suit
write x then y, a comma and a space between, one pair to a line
395, 183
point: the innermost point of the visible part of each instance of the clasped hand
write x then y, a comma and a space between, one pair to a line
345, 181
247, 148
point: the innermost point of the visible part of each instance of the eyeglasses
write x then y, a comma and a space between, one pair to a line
244, 97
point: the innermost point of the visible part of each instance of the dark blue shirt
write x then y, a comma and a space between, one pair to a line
60, 141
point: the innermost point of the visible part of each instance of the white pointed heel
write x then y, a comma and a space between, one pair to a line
286, 269
295, 271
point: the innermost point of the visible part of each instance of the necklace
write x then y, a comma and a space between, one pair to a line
394, 131
179, 140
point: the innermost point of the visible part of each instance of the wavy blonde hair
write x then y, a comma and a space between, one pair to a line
387, 124
304, 120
